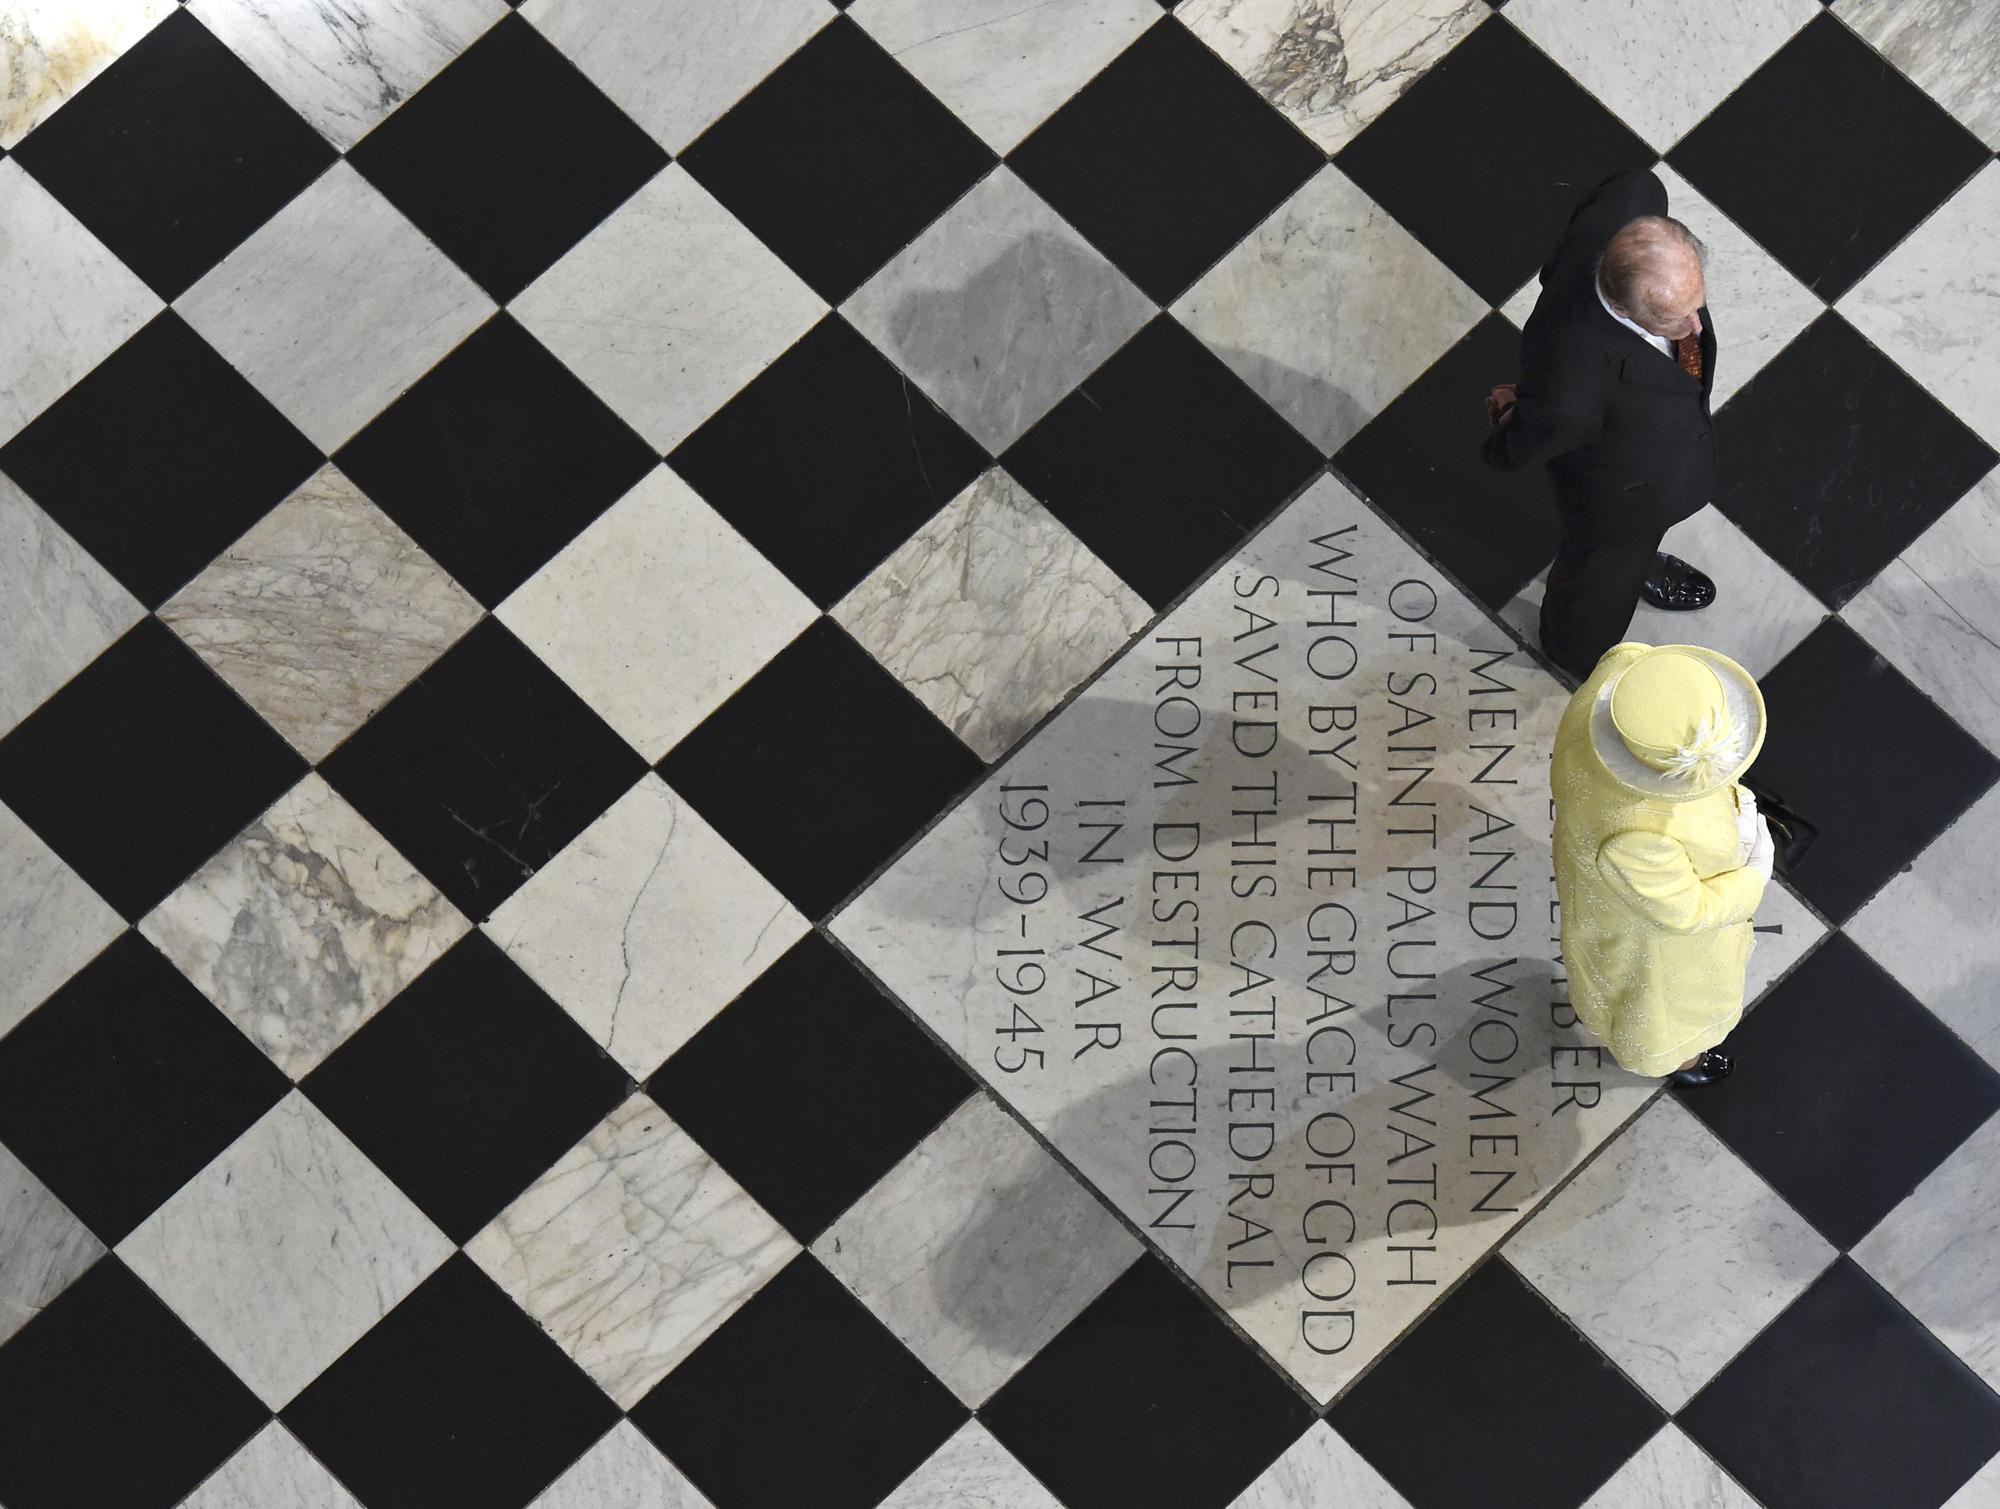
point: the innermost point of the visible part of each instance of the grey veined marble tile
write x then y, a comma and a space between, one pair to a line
622, 1471
1317, 1471
44, 1248
51, 922
304, 926
272, 1472
346, 64
998, 309
1951, 48
1333, 66
971, 1471
49, 49
632, 1249
1671, 1472
992, 612
321, 613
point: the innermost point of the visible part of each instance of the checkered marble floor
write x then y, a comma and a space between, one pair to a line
510, 517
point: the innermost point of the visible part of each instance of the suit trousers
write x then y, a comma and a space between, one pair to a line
1602, 563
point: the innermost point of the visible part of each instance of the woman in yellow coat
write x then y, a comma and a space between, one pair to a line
1661, 857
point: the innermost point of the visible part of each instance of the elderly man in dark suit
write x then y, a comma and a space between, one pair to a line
1617, 363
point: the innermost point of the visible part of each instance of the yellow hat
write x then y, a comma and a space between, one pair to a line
1679, 722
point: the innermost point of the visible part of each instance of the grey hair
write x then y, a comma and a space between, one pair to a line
1628, 270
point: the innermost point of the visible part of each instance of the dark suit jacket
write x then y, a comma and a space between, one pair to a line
1625, 432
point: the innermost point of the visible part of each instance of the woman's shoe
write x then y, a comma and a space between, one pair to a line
1706, 1070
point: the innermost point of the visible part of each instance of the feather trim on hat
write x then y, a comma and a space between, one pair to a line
1711, 754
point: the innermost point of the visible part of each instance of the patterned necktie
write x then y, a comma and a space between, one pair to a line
1687, 351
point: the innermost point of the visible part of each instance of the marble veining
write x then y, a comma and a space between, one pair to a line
622, 1471
1329, 309
49, 49
1949, 47
657, 612
1671, 1470
304, 926
998, 309
45, 1247
285, 1249
1320, 1469
346, 64
668, 307
992, 612
321, 613
971, 1471
1669, 1253
1333, 66
645, 926
51, 922
632, 1249
272, 1472
334, 307
976, 1249
70, 302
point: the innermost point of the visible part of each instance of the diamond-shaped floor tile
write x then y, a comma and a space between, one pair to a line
622, 1471
971, 1471
1671, 1469
47, 1247
285, 1249
56, 47
272, 1470
1320, 1468
51, 922
1949, 47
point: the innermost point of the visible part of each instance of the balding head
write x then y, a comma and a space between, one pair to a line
1651, 273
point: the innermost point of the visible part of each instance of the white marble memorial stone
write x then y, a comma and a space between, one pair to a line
1260, 932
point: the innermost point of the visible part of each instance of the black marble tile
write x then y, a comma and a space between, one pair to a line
142, 767
1484, 158
829, 460
1166, 160
1146, 1398
159, 459
1853, 747
1419, 462
455, 1400
109, 1401
508, 158
1162, 461
124, 1085
483, 768
800, 1398
819, 768
496, 459
468, 1086
170, 188
1846, 1399
1539, 1418
1833, 460
838, 1069
837, 159
1847, 1092
1828, 156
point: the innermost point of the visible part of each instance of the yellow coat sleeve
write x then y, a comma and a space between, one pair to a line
1653, 875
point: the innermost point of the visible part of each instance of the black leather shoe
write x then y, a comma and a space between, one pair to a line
1676, 586
1707, 1069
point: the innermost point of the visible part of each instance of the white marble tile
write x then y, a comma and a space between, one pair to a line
304, 926
1950, 48
272, 1472
49, 49
977, 1249
657, 612
645, 926
321, 612
334, 307
668, 307
1759, 615
1933, 304
1935, 611
998, 309
285, 1250
346, 64
1669, 1253
69, 302
1932, 927
1670, 1472
971, 1471
1636, 55
1938, 1251
622, 1471
1332, 66
59, 609
676, 65
51, 922
1004, 67
1786, 931
1319, 1471
1980, 1491
1522, 304
1329, 309
992, 612
632, 1249
46, 1247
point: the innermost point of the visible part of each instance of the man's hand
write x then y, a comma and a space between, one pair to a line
1500, 404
